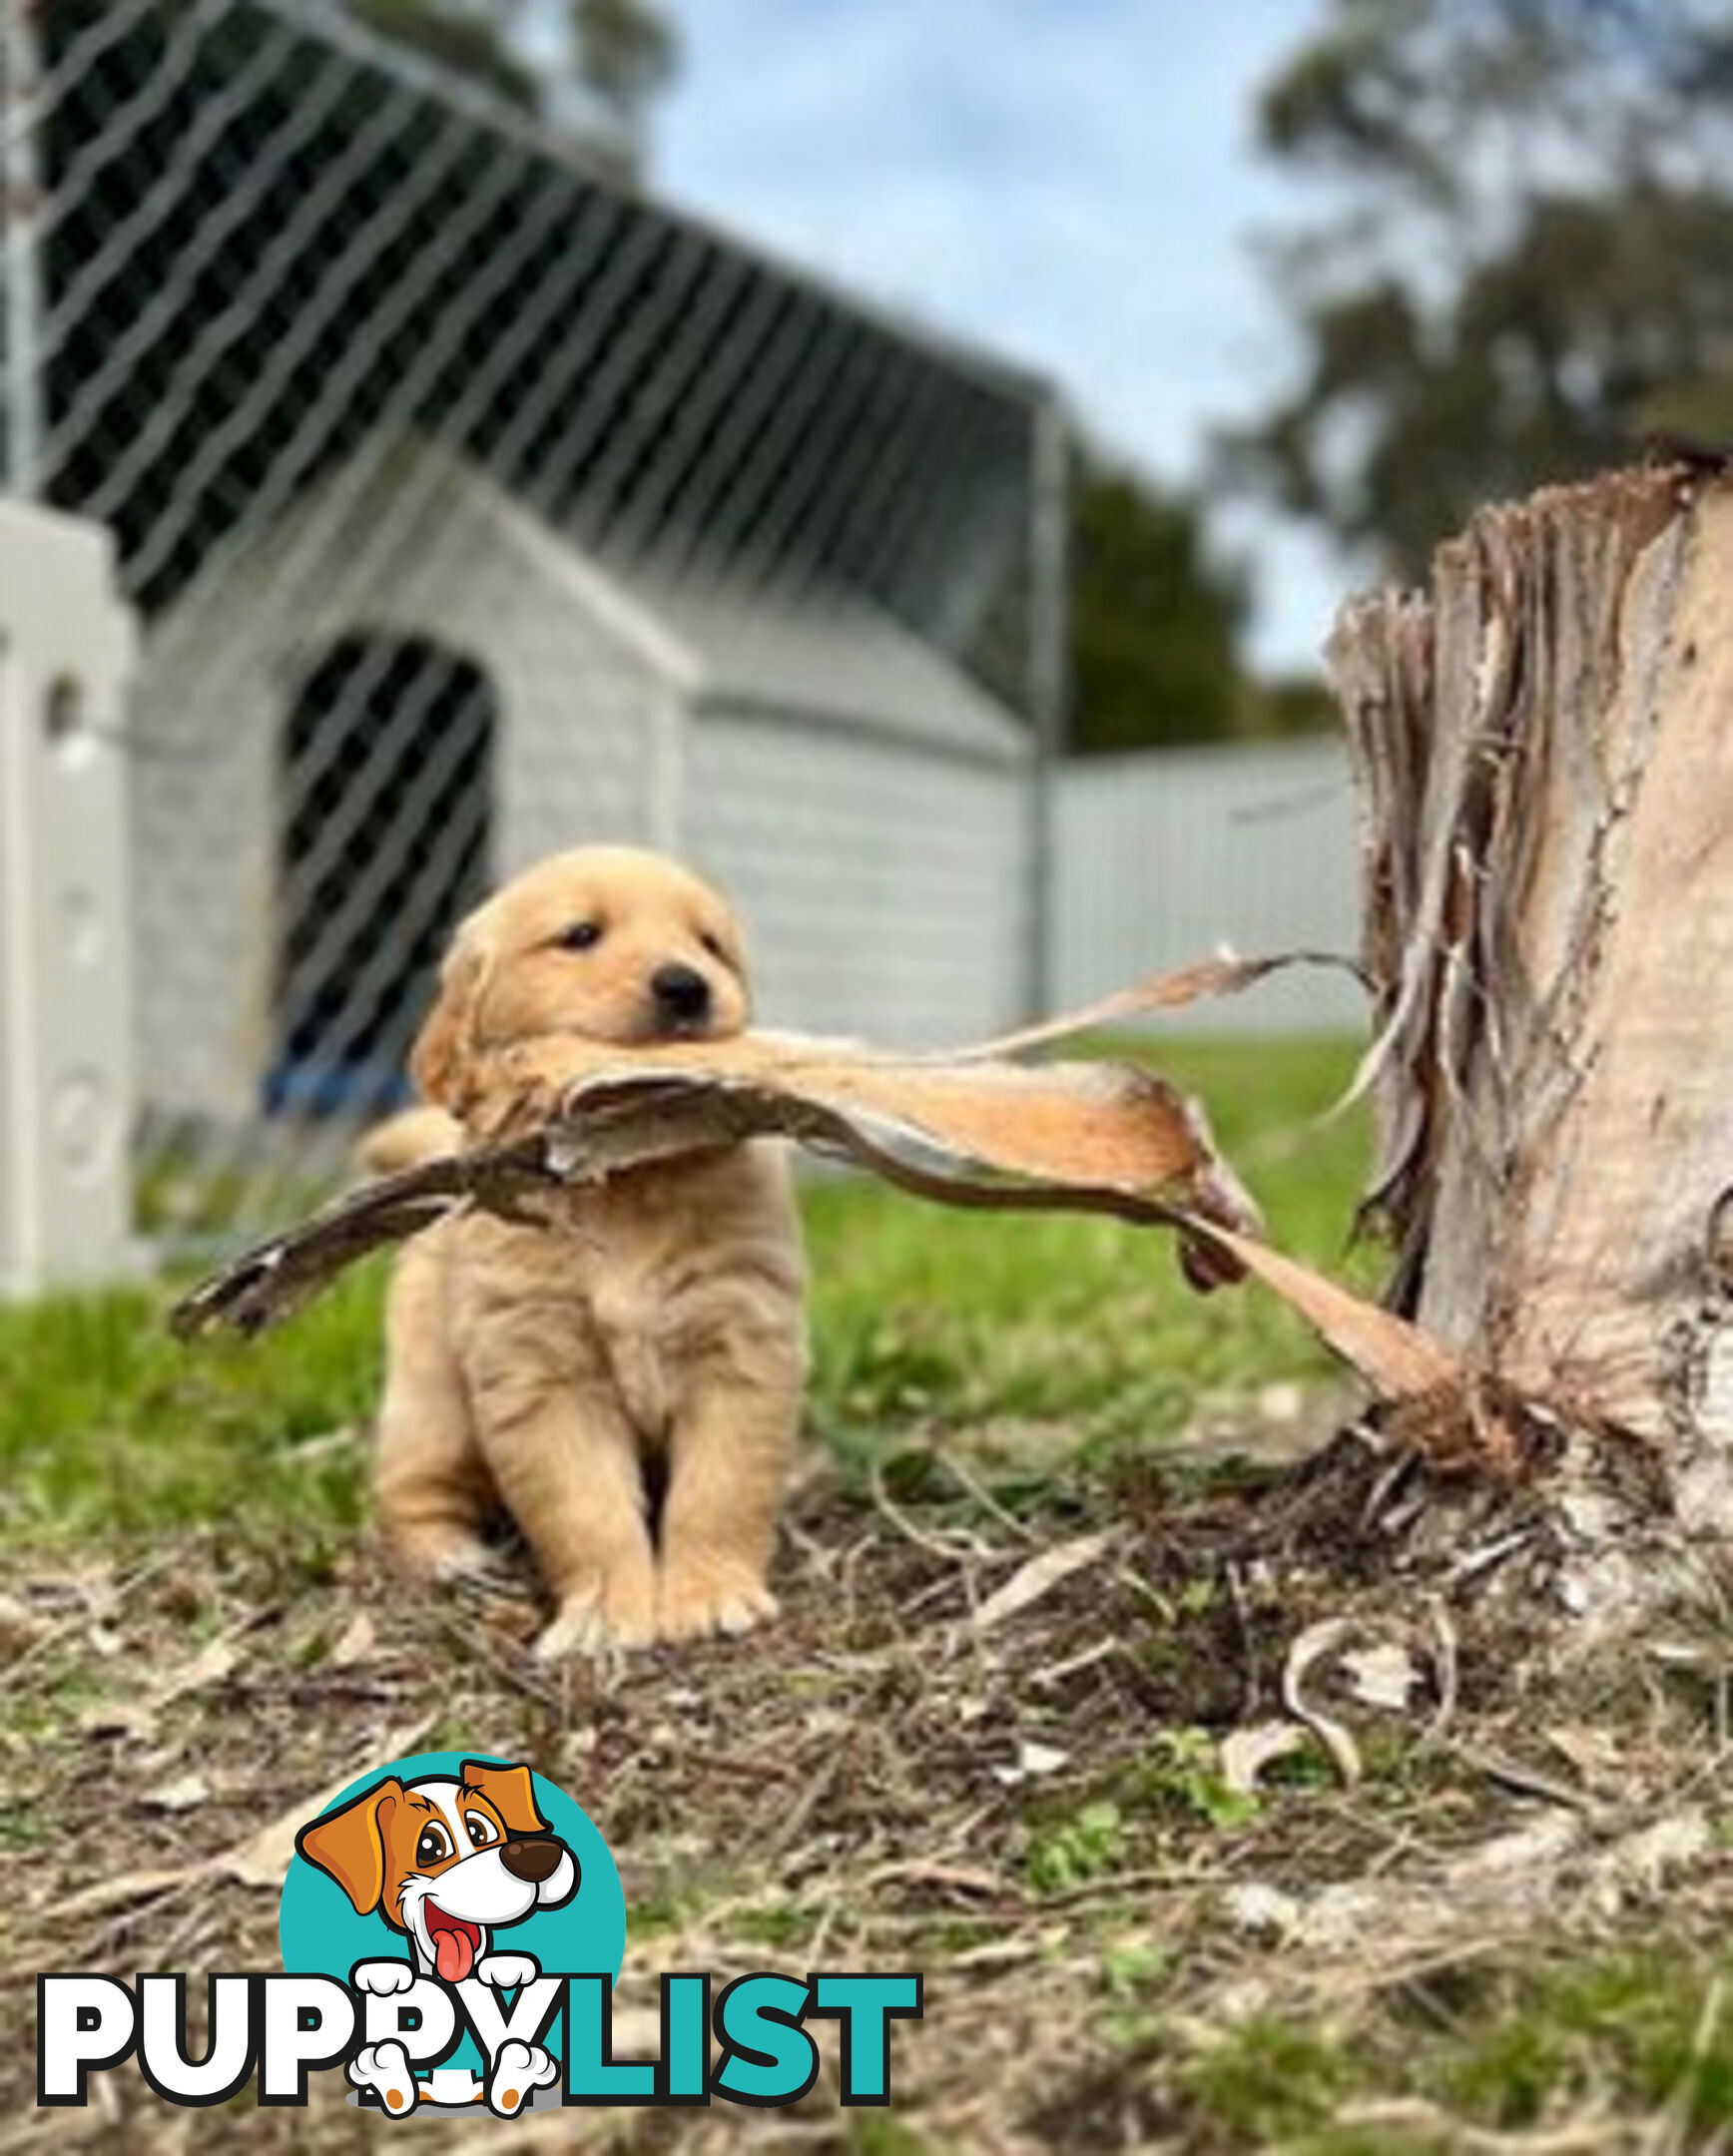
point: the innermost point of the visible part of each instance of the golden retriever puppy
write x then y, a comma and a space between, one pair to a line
627, 1382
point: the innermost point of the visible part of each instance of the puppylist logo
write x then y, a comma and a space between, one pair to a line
451, 1931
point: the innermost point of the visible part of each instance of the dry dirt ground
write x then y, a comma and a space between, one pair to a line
985, 1747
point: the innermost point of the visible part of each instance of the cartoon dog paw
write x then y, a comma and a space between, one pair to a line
385, 2069
519, 2070
382, 1977
505, 1972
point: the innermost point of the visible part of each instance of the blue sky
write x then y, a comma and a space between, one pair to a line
1070, 182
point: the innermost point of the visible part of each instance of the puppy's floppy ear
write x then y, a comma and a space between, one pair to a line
735, 954
439, 1060
510, 1791
351, 1844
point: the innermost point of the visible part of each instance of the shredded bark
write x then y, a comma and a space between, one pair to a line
1542, 754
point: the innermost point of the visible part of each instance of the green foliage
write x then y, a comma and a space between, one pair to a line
1156, 621
618, 56
1132, 1966
1525, 264
785, 1924
625, 52
1269, 2081
672, 1906
471, 42
1076, 1850
22, 1825
1503, 2048
1291, 705
880, 2133
1179, 1771
1135, 1972
1636, 2020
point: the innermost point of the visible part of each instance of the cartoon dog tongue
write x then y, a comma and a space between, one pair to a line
454, 1949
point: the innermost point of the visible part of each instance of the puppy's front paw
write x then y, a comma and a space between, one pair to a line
697, 1601
385, 2069
518, 2071
618, 1612
382, 1977
440, 1551
505, 1972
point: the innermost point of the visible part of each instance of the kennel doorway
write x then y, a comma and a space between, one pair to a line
385, 788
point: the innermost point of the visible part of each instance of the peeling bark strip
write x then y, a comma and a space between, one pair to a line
970, 1129
1544, 749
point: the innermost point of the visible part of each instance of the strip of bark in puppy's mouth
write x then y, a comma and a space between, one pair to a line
456, 1940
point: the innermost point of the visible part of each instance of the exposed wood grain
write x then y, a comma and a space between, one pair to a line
1545, 747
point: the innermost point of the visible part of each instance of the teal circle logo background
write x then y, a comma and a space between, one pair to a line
322, 1934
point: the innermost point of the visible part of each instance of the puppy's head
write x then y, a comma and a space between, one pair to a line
606, 942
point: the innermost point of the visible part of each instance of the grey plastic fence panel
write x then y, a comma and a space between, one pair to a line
1163, 858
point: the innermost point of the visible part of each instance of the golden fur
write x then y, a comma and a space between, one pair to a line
657, 1332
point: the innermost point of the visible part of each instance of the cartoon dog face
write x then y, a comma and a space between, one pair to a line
444, 1859
606, 942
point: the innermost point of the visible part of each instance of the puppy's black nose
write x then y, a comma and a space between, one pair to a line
680, 992
533, 1861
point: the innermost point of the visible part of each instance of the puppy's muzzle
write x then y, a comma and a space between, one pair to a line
532, 1859
682, 995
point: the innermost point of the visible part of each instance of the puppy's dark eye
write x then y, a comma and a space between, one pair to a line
434, 1845
713, 945
581, 936
482, 1831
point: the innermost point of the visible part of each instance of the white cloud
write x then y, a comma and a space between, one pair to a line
1070, 182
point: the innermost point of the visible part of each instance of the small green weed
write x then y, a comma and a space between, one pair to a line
22, 1827
778, 1923
1178, 1772
1073, 1852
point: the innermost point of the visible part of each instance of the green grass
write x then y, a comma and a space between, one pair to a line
107, 1423
1270, 2081
1632, 2024
920, 1316
1507, 2049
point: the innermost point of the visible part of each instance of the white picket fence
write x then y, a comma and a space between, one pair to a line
1164, 856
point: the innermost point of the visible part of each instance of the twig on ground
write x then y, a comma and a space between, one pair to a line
1515, 1774
1252, 1696
935, 1546
977, 1490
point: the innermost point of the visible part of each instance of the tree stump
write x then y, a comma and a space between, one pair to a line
1543, 746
